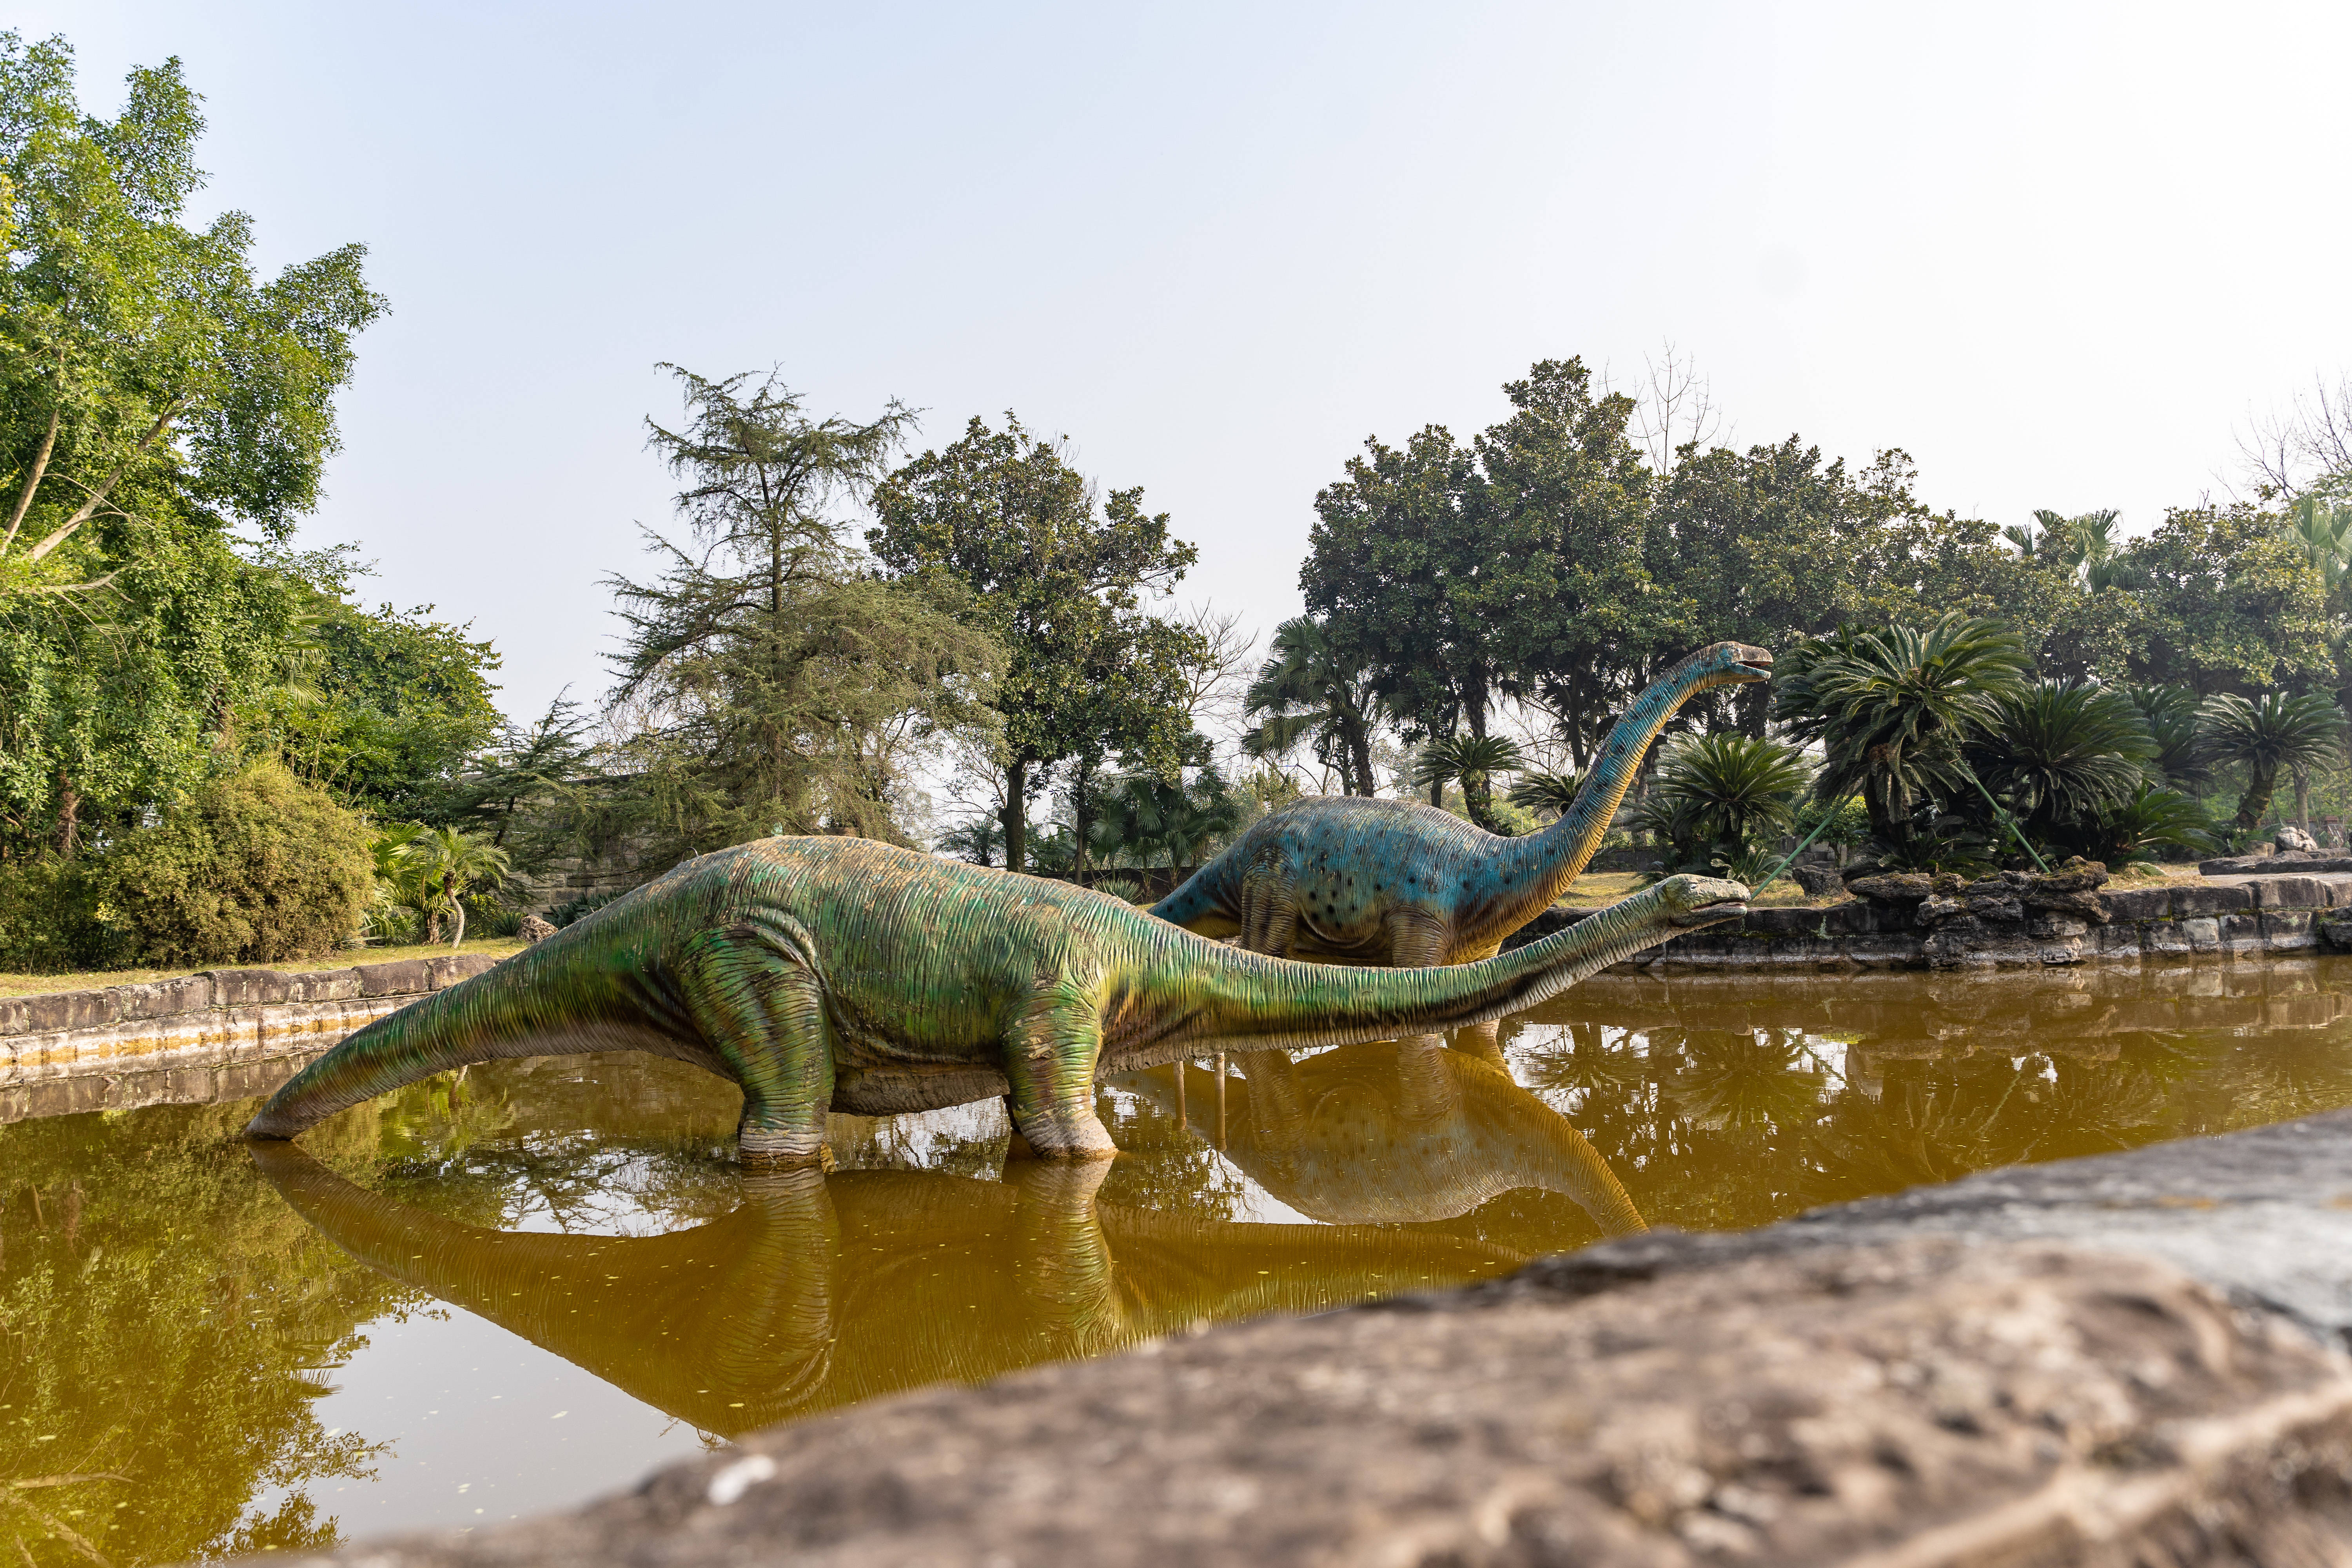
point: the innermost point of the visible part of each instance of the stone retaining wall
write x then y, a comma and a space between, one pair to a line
2239, 916
72, 1050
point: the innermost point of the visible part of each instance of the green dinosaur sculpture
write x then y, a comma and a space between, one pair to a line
821, 1290
847, 974
1359, 881
1375, 1134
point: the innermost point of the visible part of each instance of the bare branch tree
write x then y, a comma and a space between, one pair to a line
1215, 682
1674, 408
2286, 454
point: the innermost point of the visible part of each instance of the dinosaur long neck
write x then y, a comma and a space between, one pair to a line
553, 991
1532, 871
1248, 998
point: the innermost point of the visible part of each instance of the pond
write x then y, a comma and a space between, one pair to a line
494, 1295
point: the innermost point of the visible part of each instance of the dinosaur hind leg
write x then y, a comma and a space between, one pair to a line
1269, 911
1049, 1065
756, 998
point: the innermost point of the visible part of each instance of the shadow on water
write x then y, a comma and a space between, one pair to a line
174, 1324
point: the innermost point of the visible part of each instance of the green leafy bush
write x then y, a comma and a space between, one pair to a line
255, 867
48, 916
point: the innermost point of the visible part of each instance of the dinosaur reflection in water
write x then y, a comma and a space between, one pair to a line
1396, 1132
819, 1290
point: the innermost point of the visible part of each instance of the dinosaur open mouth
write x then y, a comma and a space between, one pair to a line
1759, 661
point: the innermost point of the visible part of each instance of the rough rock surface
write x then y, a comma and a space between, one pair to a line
535, 929
1897, 1382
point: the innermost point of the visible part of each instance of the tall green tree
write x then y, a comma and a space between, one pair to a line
788, 685
154, 395
2226, 602
1059, 581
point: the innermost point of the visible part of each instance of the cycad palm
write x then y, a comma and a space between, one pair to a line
1309, 691
2171, 714
1471, 761
438, 867
1546, 791
2272, 731
1892, 709
2065, 750
1717, 795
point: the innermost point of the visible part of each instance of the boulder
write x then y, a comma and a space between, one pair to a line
534, 930
2292, 841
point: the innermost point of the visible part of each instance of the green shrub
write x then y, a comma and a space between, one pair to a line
255, 867
48, 917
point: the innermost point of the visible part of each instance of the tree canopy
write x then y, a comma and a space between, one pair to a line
1059, 581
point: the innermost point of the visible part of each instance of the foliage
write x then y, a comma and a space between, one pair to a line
435, 871
789, 689
2267, 733
1473, 761
1088, 675
2169, 712
146, 371
978, 840
256, 868
530, 789
383, 710
2152, 820
2226, 601
2062, 752
155, 392
1145, 820
48, 915
1893, 708
1849, 822
1457, 576
1308, 692
1546, 790
1719, 797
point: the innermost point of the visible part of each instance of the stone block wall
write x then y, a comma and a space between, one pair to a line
2238, 915
60, 1050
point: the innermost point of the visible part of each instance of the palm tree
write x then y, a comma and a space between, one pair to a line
2062, 752
1309, 691
1471, 761
1145, 817
1892, 707
2089, 545
2272, 731
2325, 533
1545, 790
979, 840
434, 868
1717, 796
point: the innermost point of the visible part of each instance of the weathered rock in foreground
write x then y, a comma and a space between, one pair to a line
1885, 1383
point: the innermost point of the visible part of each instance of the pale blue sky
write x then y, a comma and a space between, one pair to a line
2057, 252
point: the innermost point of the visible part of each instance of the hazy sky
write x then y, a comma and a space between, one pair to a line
2059, 253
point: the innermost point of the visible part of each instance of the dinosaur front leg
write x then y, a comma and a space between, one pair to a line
762, 1009
1049, 1065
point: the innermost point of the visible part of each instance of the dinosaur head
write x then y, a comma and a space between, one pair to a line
1731, 664
1702, 900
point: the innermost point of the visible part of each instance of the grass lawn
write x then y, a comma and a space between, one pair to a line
342, 958
1595, 888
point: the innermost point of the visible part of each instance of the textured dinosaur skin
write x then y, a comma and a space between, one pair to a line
1380, 1135
819, 1290
847, 974
1357, 881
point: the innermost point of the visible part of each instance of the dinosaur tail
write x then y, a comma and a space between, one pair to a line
512, 1010
1274, 1001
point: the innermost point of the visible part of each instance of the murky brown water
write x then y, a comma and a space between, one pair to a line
484, 1297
